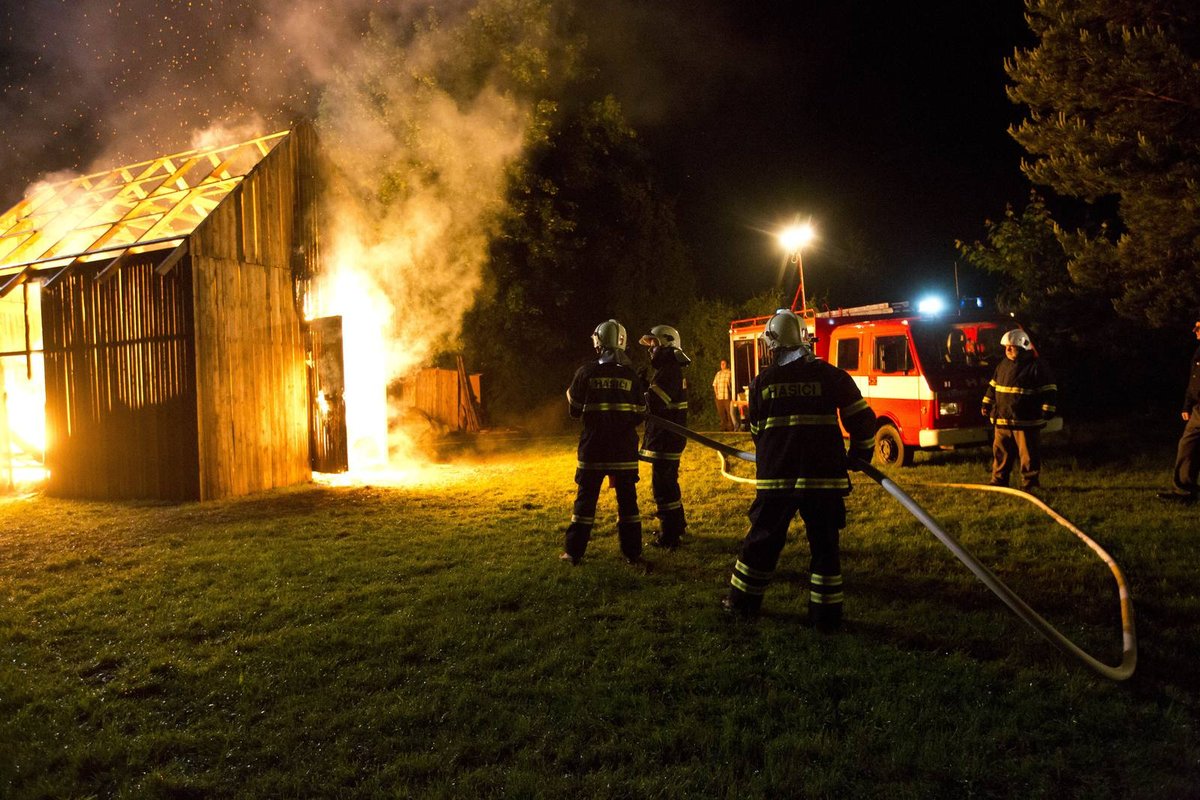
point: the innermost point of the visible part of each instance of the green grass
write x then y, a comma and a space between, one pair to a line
424, 641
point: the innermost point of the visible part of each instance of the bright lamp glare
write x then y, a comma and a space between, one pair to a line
931, 305
796, 237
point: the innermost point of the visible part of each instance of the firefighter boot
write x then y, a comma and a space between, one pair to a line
741, 604
672, 529
825, 617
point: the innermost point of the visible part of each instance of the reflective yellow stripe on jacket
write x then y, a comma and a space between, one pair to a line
1049, 387
854, 408
802, 483
1021, 423
794, 420
636, 409
607, 465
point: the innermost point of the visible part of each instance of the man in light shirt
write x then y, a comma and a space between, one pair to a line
723, 392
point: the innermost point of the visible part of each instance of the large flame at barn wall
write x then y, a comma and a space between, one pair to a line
22, 389
365, 313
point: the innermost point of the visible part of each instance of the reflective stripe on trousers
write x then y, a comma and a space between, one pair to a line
583, 517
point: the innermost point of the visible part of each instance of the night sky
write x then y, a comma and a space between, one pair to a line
883, 122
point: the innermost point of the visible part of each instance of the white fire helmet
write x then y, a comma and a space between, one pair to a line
609, 335
1018, 337
661, 336
785, 330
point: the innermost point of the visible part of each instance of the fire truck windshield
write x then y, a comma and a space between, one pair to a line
944, 344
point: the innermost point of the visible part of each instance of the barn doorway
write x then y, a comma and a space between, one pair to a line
327, 396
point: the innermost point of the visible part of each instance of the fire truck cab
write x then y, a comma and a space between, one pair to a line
924, 375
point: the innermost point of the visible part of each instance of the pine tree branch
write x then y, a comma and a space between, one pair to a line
1146, 94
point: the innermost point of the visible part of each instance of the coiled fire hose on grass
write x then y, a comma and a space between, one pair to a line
1018, 606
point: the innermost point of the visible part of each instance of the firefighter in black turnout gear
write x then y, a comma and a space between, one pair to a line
1187, 452
1021, 396
801, 467
667, 398
607, 395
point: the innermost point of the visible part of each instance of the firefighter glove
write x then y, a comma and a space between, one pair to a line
984, 411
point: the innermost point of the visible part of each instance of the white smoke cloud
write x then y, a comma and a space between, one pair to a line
229, 131
421, 174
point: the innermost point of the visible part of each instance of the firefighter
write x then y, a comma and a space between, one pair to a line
608, 396
1187, 452
1019, 399
801, 466
666, 398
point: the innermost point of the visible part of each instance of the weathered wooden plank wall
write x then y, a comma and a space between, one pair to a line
191, 385
439, 395
252, 392
120, 391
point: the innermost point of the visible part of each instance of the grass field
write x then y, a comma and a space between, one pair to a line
423, 640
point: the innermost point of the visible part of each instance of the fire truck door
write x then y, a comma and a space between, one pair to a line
894, 383
328, 450
847, 353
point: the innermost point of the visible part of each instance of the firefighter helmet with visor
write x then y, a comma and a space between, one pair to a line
785, 331
609, 335
1016, 338
661, 336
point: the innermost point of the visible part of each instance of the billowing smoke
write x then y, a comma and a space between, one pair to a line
421, 175
403, 99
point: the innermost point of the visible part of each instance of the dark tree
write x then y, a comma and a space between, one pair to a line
586, 236
1073, 326
1113, 92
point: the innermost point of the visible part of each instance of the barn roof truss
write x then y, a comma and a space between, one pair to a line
154, 205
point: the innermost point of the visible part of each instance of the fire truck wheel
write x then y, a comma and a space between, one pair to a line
890, 448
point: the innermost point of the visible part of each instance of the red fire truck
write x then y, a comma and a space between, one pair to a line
923, 374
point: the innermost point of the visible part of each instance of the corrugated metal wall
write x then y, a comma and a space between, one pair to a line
120, 390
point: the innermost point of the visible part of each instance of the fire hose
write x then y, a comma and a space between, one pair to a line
1018, 606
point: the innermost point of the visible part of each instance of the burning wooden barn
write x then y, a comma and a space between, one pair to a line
157, 308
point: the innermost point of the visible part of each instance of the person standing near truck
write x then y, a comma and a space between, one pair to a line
723, 393
801, 467
1019, 399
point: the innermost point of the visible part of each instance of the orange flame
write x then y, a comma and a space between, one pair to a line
371, 358
23, 407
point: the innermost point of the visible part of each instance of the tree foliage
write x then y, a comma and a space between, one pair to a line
1073, 327
586, 236
1026, 250
1113, 93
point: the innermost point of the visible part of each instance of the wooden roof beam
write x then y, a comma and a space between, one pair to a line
62, 273
15, 280
172, 259
108, 272
49, 263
